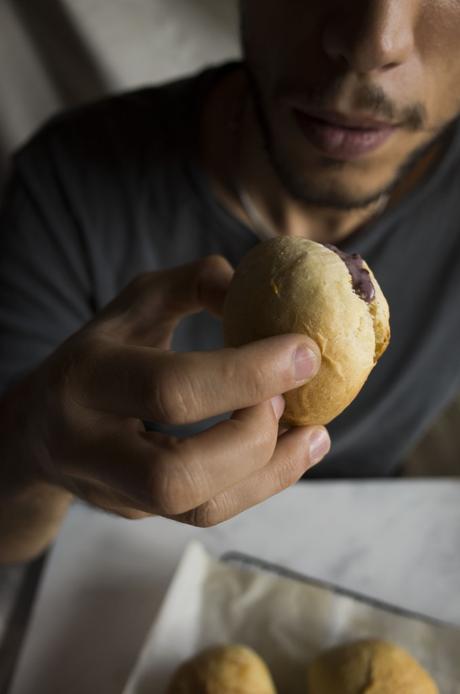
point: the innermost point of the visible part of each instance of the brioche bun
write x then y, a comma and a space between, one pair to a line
294, 285
368, 667
230, 669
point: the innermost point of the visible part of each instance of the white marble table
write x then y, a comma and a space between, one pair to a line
396, 540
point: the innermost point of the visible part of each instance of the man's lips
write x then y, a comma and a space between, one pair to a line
359, 121
341, 136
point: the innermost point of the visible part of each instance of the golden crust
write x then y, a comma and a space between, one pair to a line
294, 285
368, 667
231, 669
381, 316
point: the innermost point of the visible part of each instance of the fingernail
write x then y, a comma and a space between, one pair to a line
278, 404
306, 363
319, 445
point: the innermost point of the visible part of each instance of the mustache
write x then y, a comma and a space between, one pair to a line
370, 99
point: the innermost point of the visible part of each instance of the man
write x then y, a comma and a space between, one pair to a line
340, 126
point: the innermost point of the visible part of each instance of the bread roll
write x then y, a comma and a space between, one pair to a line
294, 285
231, 669
368, 667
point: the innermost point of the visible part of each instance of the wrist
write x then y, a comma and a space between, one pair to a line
22, 448
31, 509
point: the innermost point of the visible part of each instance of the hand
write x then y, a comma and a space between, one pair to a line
87, 402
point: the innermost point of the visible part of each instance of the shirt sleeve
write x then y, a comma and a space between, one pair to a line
45, 273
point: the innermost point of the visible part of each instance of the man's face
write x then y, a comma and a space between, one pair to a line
319, 65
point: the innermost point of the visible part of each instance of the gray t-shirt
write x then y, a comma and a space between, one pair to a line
114, 189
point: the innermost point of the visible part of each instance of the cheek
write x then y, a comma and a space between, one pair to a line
438, 41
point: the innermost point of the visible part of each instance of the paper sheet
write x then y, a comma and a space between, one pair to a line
287, 622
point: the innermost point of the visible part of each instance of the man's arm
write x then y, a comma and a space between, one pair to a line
31, 510
44, 297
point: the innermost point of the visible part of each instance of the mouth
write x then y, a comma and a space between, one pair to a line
343, 137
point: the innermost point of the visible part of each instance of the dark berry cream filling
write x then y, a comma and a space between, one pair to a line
360, 277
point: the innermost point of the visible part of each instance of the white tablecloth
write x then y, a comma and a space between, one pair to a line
395, 540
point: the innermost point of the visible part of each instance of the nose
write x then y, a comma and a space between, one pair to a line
371, 35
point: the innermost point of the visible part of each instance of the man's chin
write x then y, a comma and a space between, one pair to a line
335, 189
339, 202
320, 181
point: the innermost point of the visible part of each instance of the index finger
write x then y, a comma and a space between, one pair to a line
185, 387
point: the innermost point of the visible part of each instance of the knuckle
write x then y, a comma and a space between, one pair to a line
230, 371
256, 440
215, 265
208, 515
159, 399
75, 363
130, 513
257, 382
262, 439
171, 397
210, 262
173, 488
66, 365
167, 494
287, 472
166, 491
240, 372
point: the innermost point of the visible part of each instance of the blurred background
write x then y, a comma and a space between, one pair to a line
58, 53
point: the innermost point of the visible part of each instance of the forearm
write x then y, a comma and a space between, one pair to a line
31, 510
30, 520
